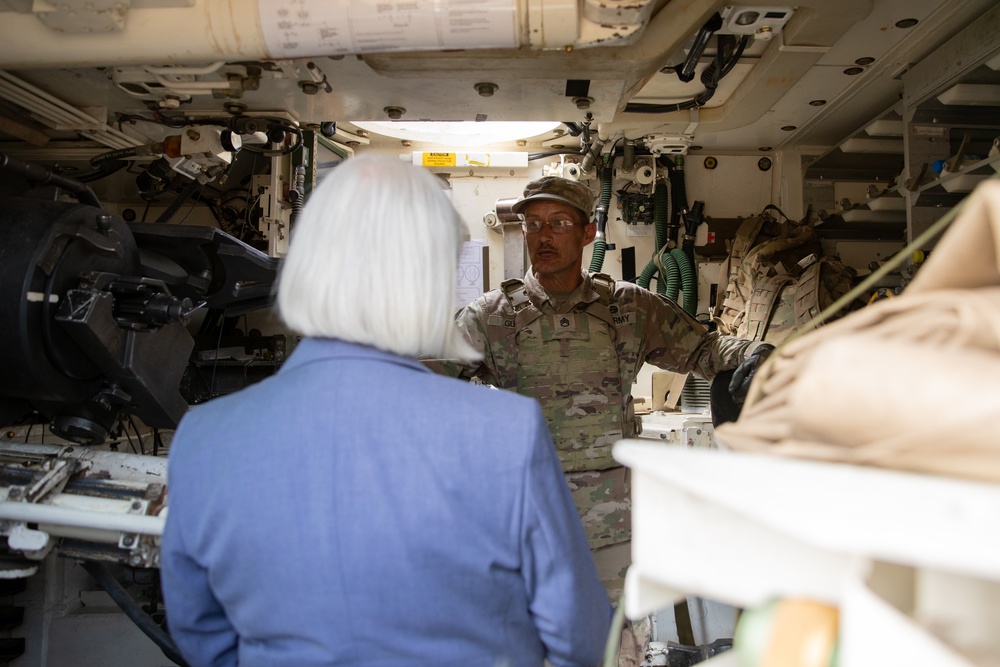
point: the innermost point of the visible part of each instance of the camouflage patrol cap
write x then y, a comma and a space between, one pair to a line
553, 188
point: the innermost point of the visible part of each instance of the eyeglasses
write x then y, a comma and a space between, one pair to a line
557, 226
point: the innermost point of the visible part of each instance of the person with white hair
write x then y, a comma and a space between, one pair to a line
357, 508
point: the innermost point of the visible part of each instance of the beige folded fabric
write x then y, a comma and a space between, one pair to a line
968, 255
911, 383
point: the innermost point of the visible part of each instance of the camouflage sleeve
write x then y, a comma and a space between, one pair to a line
722, 353
471, 322
675, 341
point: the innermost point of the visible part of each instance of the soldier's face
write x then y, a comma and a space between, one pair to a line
556, 256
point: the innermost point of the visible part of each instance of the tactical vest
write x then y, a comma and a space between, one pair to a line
776, 285
730, 309
782, 303
568, 363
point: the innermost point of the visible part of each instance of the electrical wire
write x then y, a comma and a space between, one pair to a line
42, 176
215, 364
127, 604
286, 150
185, 194
138, 435
710, 77
550, 153
197, 198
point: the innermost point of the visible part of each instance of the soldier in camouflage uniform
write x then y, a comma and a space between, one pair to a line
575, 342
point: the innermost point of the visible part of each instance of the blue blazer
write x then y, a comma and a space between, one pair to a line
358, 509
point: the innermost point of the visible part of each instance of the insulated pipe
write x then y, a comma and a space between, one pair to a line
660, 204
647, 274
597, 258
661, 208
692, 220
81, 518
297, 194
689, 280
61, 114
686, 72
208, 31
628, 155
592, 155
669, 282
50, 100
601, 218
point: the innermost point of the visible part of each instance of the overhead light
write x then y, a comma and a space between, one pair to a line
458, 133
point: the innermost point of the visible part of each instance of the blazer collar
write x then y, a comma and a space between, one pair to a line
309, 350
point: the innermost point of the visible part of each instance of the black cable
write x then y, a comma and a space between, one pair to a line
574, 129
218, 346
42, 176
127, 604
686, 72
286, 150
710, 78
550, 153
145, 211
175, 205
122, 430
198, 198
106, 170
138, 435
614, 144
114, 155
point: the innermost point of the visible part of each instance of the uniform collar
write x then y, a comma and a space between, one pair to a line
539, 297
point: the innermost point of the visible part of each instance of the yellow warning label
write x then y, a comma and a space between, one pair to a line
439, 160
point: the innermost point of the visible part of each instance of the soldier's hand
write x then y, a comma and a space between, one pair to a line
739, 385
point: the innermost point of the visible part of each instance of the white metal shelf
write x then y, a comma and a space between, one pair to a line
896, 552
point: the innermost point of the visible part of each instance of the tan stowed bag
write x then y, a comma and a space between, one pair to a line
911, 383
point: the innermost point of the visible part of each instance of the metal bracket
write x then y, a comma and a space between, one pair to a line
664, 144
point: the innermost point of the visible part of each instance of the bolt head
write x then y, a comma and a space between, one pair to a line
486, 89
394, 113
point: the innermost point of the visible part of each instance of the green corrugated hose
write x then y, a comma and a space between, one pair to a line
689, 279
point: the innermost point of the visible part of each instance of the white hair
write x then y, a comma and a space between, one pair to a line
373, 260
